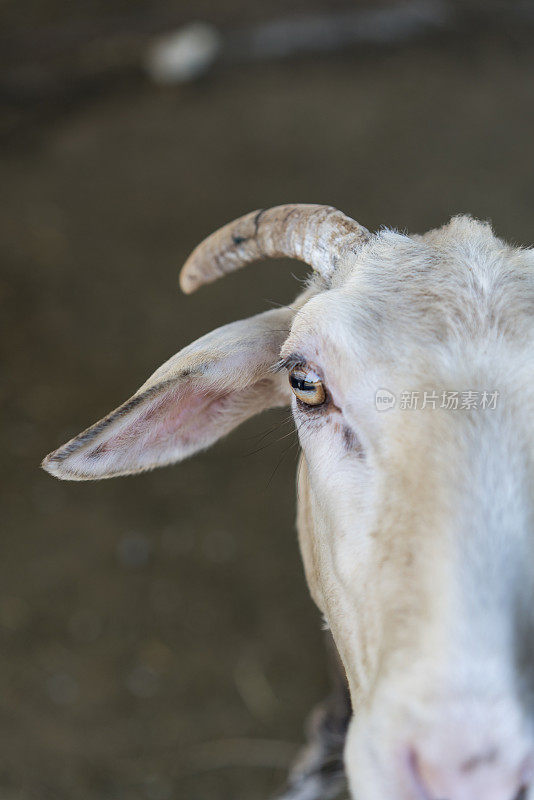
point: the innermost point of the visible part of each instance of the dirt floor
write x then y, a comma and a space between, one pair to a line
157, 637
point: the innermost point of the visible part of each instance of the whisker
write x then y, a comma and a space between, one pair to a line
290, 433
304, 280
269, 430
280, 305
293, 444
267, 433
299, 467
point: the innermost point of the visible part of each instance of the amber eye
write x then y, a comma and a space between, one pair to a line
307, 386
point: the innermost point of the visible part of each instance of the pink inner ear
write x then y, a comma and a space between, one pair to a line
174, 418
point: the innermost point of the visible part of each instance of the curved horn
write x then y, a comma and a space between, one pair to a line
318, 235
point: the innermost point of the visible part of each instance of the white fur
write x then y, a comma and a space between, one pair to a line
416, 527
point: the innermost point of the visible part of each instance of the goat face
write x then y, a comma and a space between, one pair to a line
413, 394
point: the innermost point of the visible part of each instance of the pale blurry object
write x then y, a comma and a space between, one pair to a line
184, 55
191, 51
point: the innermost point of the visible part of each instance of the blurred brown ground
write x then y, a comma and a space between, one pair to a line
157, 637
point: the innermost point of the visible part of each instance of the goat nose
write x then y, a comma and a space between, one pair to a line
482, 775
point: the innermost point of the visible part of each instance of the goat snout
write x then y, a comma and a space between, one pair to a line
488, 774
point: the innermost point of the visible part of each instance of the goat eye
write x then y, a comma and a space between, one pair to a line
307, 386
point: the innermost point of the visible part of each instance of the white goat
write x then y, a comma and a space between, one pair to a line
417, 525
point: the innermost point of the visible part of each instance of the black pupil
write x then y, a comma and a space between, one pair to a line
301, 384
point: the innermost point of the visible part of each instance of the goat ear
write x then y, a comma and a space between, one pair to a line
191, 401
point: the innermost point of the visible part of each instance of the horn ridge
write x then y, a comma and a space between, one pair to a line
316, 234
